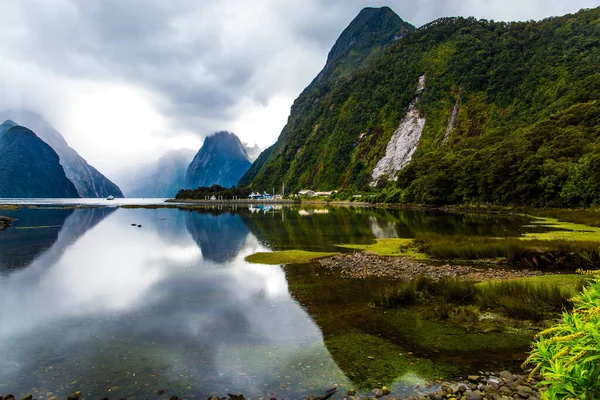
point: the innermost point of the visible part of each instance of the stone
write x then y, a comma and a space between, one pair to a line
377, 393
159, 392
474, 396
27, 397
461, 389
524, 389
504, 390
351, 392
506, 376
385, 390
474, 378
447, 389
9, 397
73, 396
473, 386
174, 398
436, 396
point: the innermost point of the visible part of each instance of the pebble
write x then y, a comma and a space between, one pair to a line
364, 265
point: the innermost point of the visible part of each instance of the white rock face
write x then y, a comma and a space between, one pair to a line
451, 122
404, 141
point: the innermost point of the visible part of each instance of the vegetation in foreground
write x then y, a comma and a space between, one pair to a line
568, 354
286, 257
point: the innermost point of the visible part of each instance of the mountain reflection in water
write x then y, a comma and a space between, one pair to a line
176, 309
101, 305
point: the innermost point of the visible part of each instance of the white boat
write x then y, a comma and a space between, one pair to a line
110, 197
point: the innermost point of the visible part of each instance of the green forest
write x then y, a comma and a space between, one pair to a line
527, 129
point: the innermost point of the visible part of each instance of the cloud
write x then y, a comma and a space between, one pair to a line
148, 74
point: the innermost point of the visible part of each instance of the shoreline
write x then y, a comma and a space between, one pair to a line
361, 265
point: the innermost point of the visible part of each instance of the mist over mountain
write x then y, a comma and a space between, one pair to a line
159, 180
29, 167
87, 179
222, 160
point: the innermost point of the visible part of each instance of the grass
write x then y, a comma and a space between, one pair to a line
286, 257
532, 253
585, 217
398, 247
562, 230
534, 299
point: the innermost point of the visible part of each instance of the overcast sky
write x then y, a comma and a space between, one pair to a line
124, 80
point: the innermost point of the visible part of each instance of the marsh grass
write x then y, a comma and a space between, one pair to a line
535, 254
449, 298
585, 217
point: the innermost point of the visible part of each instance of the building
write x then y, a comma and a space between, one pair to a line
307, 192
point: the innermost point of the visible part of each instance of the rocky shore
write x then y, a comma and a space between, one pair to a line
364, 265
491, 386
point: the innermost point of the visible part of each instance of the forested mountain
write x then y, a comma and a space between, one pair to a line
460, 110
161, 179
222, 160
29, 167
87, 179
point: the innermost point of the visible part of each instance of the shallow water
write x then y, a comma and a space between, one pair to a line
92, 303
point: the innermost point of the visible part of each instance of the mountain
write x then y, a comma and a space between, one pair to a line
29, 167
222, 160
87, 179
162, 179
373, 30
253, 151
458, 111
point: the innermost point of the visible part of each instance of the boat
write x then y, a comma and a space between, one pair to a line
110, 197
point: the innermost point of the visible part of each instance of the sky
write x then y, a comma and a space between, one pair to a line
125, 80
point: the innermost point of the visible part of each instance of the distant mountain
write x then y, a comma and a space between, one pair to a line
87, 179
253, 151
161, 179
29, 167
222, 160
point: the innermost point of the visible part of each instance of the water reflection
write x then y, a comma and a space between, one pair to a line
123, 310
37, 230
122, 300
220, 234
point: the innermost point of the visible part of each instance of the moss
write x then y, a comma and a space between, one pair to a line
286, 257
438, 336
399, 247
561, 230
371, 361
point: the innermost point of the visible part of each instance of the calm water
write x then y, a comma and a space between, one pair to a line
92, 303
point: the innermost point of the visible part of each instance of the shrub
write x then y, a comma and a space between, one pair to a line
568, 355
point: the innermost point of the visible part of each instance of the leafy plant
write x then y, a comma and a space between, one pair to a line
568, 355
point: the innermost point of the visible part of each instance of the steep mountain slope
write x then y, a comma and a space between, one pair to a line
222, 160
30, 168
460, 110
87, 179
162, 179
252, 151
360, 43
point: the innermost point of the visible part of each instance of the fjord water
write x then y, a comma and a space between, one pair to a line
92, 303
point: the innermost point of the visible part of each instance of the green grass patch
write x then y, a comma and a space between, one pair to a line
398, 247
286, 257
524, 299
562, 230
571, 283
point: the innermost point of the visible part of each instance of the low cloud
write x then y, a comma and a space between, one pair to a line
143, 75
